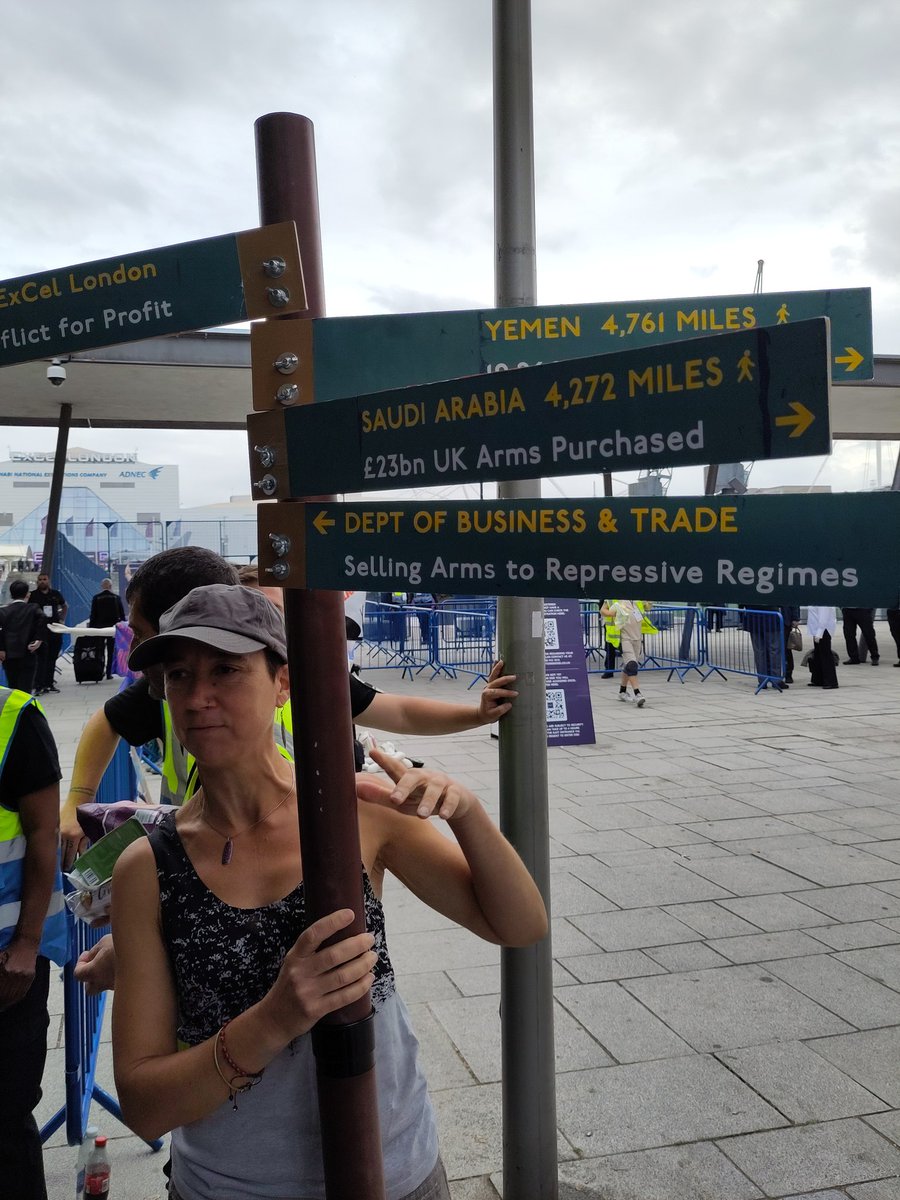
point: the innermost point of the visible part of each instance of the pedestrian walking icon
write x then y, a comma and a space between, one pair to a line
745, 367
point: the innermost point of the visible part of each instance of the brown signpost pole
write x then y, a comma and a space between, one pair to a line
323, 735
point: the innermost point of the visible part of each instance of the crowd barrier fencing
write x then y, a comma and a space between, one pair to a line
83, 1014
754, 647
449, 638
458, 636
678, 644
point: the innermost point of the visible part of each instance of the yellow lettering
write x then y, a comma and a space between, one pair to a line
551, 327
511, 330
731, 318
727, 522
493, 326
749, 318
688, 320
569, 326
692, 379
713, 372
639, 514
640, 381
658, 520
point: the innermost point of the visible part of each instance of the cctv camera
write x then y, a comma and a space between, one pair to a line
56, 373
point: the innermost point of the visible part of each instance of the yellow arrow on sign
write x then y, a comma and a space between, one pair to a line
852, 359
801, 420
323, 522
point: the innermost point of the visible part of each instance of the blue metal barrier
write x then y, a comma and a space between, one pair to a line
754, 647
83, 1014
464, 638
592, 623
678, 646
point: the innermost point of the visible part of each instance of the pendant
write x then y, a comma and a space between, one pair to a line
227, 852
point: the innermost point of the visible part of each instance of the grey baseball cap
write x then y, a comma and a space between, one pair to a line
238, 620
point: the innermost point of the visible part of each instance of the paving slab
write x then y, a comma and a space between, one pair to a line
620, 1023
634, 929
686, 956
881, 1189
710, 920
747, 875
860, 1000
831, 1154
698, 1171
615, 964
639, 887
827, 864
880, 962
871, 1057
472, 1024
860, 935
630, 1107
888, 1124
733, 1006
759, 947
800, 1083
774, 912
856, 902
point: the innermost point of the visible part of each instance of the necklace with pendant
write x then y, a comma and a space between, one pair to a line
228, 848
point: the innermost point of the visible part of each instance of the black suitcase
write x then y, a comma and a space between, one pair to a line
88, 659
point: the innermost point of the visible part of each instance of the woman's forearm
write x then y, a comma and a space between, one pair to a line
505, 892
159, 1094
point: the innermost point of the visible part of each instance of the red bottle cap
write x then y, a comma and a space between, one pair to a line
100, 1140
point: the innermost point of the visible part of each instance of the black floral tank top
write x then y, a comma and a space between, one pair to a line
225, 959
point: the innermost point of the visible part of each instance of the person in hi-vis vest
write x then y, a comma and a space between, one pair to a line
33, 931
627, 621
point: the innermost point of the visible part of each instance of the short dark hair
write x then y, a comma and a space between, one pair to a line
18, 589
167, 577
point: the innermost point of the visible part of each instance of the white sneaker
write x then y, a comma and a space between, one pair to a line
623, 696
640, 701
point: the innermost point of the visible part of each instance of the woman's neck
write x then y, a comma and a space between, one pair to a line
238, 797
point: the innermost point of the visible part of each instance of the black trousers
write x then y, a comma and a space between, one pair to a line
864, 619
23, 1051
47, 656
893, 616
20, 672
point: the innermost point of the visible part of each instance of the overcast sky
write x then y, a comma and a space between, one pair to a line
675, 144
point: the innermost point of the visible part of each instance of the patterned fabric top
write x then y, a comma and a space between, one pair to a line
225, 959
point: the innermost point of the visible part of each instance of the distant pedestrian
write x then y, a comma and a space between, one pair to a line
106, 611
864, 620
23, 628
821, 624
52, 604
627, 618
893, 619
768, 641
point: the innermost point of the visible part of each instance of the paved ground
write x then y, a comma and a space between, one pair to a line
726, 935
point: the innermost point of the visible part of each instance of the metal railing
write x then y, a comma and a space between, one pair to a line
83, 1014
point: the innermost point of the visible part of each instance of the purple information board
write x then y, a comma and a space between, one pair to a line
570, 720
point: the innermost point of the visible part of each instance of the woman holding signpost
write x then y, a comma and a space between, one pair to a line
212, 938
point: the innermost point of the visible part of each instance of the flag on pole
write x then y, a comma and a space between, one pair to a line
89, 529
43, 524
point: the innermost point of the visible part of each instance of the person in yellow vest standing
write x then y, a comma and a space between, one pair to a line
626, 623
33, 930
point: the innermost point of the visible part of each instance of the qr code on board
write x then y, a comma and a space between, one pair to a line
551, 633
556, 705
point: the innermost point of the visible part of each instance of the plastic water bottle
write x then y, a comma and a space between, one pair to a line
87, 1145
96, 1173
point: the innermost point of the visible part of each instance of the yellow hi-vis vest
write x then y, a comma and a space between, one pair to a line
612, 633
179, 770
55, 934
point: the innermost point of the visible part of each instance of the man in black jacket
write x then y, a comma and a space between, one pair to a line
106, 611
52, 604
23, 629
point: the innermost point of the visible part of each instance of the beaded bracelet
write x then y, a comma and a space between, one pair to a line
237, 1070
234, 1089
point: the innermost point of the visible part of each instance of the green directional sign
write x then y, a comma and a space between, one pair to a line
757, 394
172, 289
822, 549
354, 355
